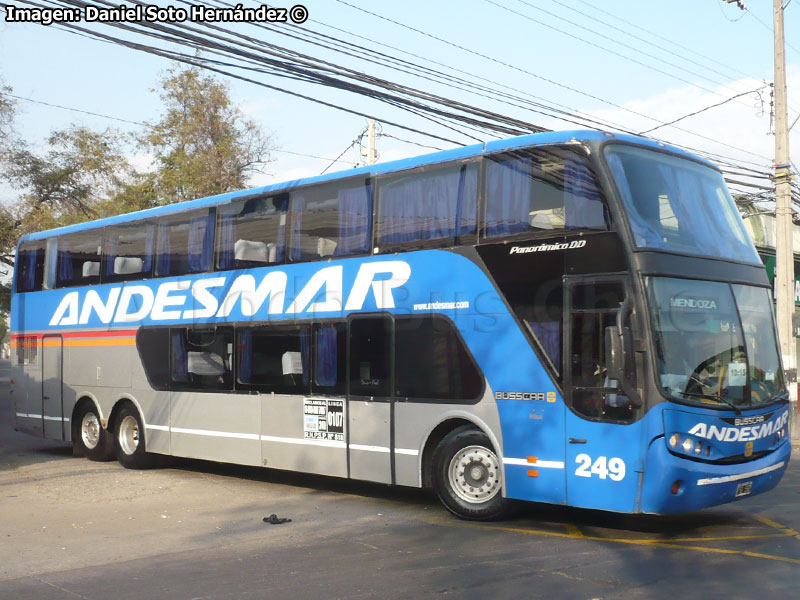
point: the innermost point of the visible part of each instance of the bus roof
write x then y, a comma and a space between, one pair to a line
475, 150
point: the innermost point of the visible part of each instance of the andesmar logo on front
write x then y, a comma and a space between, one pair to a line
740, 434
170, 300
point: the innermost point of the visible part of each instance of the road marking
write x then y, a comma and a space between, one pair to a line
633, 542
775, 525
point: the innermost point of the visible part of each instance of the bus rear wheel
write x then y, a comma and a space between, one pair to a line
467, 476
129, 440
89, 438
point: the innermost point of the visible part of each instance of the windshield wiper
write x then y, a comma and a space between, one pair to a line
716, 397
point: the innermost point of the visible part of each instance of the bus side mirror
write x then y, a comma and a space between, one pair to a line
615, 353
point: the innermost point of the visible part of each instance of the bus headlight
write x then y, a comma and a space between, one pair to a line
674, 440
687, 444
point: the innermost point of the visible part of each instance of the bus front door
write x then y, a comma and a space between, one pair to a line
52, 386
603, 450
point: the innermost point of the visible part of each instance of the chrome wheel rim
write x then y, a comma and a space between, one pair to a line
129, 435
474, 474
90, 430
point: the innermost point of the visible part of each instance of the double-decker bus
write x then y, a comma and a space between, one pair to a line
573, 318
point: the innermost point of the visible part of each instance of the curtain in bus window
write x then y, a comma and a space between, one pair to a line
226, 259
245, 355
27, 270
305, 352
355, 220
163, 261
65, 270
298, 206
549, 335
150, 240
508, 191
583, 204
437, 205
325, 357
201, 242
180, 370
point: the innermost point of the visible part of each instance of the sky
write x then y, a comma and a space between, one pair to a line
630, 63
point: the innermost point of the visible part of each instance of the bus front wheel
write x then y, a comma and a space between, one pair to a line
467, 476
129, 440
89, 438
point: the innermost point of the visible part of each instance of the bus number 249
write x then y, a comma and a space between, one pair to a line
602, 467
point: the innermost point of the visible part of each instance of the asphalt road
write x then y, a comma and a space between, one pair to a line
71, 528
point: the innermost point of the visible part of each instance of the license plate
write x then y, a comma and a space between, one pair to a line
744, 489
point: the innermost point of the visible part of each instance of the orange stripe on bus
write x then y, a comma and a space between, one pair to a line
73, 342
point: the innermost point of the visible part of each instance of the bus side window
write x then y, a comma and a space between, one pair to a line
370, 355
78, 261
185, 243
128, 252
154, 350
331, 220
29, 266
593, 394
432, 363
274, 359
252, 232
201, 359
541, 189
428, 209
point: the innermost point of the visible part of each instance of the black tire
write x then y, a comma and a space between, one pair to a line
465, 456
89, 438
129, 440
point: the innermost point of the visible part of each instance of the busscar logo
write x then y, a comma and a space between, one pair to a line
693, 303
540, 396
741, 421
188, 299
743, 433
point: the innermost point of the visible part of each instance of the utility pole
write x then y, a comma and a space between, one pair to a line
372, 155
784, 250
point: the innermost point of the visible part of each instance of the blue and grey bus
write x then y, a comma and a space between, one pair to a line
572, 318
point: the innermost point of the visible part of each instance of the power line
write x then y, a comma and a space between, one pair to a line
86, 112
702, 110
542, 78
661, 37
604, 48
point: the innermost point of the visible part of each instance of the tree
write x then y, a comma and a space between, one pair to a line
69, 183
203, 144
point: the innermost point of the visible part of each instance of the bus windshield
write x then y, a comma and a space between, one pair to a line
715, 342
678, 205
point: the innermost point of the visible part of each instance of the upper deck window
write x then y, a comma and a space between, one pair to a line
29, 266
128, 252
185, 243
540, 189
678, 205
431, 208
79, 258
252, 232
331, 220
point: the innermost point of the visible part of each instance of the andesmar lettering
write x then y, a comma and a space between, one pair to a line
171, 299
739, 434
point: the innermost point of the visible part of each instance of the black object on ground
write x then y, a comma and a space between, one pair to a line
274, 519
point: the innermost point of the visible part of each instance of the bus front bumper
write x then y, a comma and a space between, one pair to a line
674, 485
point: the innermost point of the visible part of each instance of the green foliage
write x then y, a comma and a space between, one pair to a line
202, 145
